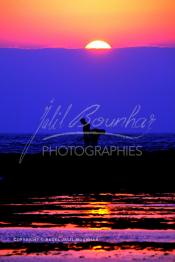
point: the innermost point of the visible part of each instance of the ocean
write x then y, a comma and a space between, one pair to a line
15, 143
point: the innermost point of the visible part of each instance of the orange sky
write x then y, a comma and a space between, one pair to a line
74, 23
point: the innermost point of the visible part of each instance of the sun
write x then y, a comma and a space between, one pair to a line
98, 44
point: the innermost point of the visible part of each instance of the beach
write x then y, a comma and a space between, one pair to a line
96, 208
151, 172
88, 227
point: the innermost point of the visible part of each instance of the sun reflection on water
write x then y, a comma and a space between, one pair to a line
101, 209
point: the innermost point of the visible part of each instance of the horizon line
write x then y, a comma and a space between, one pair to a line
88, 50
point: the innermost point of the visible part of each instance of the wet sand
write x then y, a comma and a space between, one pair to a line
120, 256
88, 227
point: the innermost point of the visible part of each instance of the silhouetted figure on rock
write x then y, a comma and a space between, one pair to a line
91, 136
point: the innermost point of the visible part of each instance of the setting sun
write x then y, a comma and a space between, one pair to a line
98, 44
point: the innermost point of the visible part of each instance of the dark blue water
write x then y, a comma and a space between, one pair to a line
151, 142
